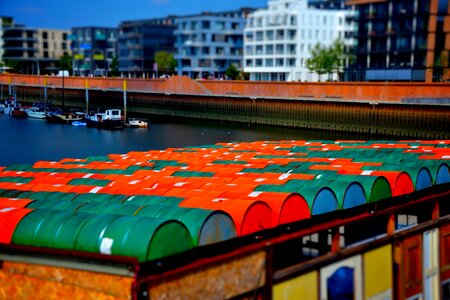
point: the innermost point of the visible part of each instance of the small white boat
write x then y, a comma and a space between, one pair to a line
35, 112
136, 123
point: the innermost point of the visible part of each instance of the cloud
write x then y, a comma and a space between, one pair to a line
32, 10
160, 2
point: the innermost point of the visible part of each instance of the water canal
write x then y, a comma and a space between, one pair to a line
25, 141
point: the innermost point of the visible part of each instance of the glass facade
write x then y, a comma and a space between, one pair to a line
140, 40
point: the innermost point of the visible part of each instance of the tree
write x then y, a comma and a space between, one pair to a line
326, 60
232, 72
114, 67
65, 63
165, 61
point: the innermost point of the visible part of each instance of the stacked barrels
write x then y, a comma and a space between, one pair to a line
153, 204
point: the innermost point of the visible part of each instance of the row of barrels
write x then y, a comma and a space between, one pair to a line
156, 203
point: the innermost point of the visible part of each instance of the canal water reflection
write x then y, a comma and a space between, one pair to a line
25, 141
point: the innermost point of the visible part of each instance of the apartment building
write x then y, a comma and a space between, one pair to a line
278, 40
93, 49
401, 40
140, 40
208, 43
53, 43
5, 22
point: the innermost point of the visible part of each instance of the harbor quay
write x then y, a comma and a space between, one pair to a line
414, 110
235, 220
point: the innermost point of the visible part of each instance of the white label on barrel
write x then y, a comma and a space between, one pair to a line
7, 209
88, 175
106, 245
259, 179
368, 172
254, 194
134, 182
283, 176
95, 190
445, 156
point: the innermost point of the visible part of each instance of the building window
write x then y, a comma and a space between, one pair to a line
269, 49
259, 50
279, 62
249, 63
280, 49
220, 25
259, 35
269, 62
291, 62
269, 35
44, 35
205, 24
259, 63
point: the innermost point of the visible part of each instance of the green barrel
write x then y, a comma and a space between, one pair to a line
145, 238
25, 230
99, 198
443, 174
46, 230
110, 209
53, 204
51, 196
10, 193
150, 200
66, 235
92, 231
205, 226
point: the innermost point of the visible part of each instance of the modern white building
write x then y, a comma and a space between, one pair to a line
278, 40
206, 44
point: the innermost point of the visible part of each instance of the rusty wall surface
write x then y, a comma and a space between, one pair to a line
374, 91
220, 281
371, 118
29, 281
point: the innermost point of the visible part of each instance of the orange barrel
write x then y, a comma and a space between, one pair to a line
400, 182
205, 226
287, 207
9, 218
14, 202
248, 216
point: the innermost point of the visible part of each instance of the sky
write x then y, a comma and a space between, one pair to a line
65, 14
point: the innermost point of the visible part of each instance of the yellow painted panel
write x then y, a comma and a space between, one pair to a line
378, 272
79, 56
99, 57
303, 287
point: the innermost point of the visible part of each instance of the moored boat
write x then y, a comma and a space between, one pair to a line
35, 112
61, 117
110, 119
13, 108
136, 123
